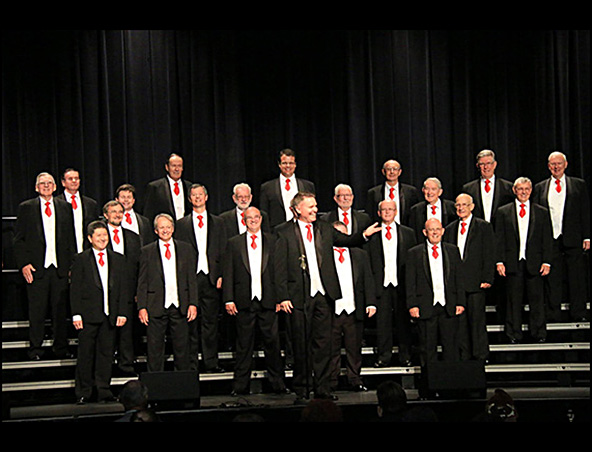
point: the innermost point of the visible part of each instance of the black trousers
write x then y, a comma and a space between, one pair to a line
248, 322
177, 326
472, 329
206, 328
520, 286
439, 329
48, 292
391, 310
567, 265
347, 329
94, 362
311, 342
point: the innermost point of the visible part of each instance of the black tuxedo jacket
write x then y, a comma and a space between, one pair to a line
86, 290
539, 243
231, 223
145, 229
90, 213
478, 261
29, 238
408, 197
236, 274
151, 290
502, 195
420, 293
270, 198
360, 220
216, 242
364, 292
405, 240
576, 212
290, 281
418, 216
158, 198
132, 248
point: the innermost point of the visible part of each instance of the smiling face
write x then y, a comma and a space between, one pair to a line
557, 165
71, 181
242, 197
253, 220
45, 186
431, 191
164, 228
344, 198
391, 171
523, 191
198, 198
433, 231
487, 165
127, 199
99, 238
464, 206
387, 211
307, 210
114, 215
287, 165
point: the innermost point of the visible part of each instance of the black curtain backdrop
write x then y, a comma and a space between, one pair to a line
115, 103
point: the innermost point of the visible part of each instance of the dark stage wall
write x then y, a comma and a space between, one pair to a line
114, 103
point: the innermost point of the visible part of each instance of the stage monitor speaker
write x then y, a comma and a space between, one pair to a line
172, 386
456, 376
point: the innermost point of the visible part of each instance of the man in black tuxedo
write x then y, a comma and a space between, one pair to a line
357, 302
167, 294
489, 192
127, 243
404, 195
434, 206
207, 235
100, 304
567, 200
275, 195
388, 256
249, 295
234, 220
44, 246
132, 220
475, 240
84, 209
435, 294
168, 194
354, 220
307, 286
524, 248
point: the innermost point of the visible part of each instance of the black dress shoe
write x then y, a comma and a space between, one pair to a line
215, 370
235, 393
359, 388
379, 363
301, 400
82, 401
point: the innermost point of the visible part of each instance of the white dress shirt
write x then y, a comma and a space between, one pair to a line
201, 238
556, 205
240, 220
437, 272
522, 227
487, 198
346, 281
462, 238
178, 200
387, 195
169, 267
438, 212
316, 285
255, 259
342, 217
287, 195
78, 219
117, 247
389, 251
49, 231
132, 224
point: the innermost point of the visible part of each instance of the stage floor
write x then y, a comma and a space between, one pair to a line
225, 407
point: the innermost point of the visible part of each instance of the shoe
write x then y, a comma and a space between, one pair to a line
301, 400
108, 399
239, 393
541, 340
64, 355
82, 401
379, 364
215, 370
359, 388
406, 363
282, 391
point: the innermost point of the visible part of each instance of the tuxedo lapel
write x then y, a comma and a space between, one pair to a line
264, 253
245, 255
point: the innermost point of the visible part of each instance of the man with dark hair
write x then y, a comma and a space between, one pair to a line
132, 220
100, 304
168, 194
275, 195
134, 397
84, 208
206, 234
44, 246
